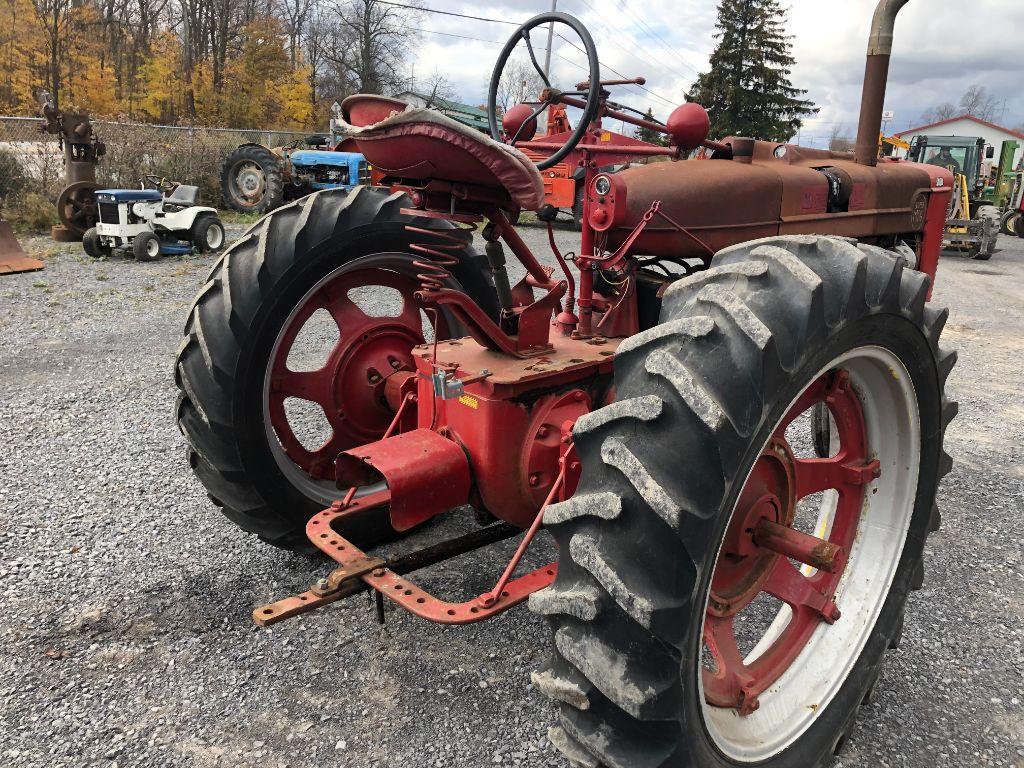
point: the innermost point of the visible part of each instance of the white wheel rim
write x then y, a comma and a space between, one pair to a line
153, 247
794, 702
214, 236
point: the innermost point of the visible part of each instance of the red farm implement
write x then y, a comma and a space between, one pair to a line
647, 405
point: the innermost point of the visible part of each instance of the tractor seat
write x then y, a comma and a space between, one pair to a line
184, 195
422, 144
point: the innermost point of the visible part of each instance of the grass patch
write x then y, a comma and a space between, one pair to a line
234, 218
31, 213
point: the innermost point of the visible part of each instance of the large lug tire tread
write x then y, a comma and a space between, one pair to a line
273, 195
988, 249
222, 359
638, 540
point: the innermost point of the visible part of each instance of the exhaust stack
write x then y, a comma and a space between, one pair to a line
876, 73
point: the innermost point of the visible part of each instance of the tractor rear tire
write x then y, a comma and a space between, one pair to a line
235, 325
252, 180
699, 400
146, 247
986, 250
207, 233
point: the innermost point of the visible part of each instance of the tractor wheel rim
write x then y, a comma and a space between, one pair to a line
349, 386
756, 704
250, 181
214, 236
153, 248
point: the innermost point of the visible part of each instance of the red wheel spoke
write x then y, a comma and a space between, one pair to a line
790, 586
816, 475
346, 313
813, 394
731, 684
410, 314
314, 386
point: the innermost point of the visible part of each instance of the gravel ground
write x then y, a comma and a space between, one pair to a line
125, 597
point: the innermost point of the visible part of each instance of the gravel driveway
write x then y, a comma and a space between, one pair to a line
125, 597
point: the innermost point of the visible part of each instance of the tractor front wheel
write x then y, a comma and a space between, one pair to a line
1009, 223
93, 246
288, 348
724, 595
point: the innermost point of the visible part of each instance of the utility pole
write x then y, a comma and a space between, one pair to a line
551, 34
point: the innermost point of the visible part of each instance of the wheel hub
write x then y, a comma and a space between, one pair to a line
770, 494
761, 542
350, 386
251, 181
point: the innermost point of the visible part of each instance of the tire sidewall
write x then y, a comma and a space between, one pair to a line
905, 340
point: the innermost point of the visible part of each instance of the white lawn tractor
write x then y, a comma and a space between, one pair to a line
149, 222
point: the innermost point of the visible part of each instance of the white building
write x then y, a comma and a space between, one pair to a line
970, 126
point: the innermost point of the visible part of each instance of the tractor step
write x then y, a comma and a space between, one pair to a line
359, 572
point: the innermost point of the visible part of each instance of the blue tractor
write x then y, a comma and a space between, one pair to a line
257, 179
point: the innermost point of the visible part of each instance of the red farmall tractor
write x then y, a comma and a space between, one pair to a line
642, 407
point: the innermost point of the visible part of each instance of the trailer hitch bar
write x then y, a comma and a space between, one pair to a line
359, 572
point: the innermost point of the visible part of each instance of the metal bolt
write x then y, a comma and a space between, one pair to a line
543, 431
323, 585
534, 480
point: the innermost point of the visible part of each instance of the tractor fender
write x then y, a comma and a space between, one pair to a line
182, 220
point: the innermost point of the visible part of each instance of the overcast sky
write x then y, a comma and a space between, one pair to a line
937, 53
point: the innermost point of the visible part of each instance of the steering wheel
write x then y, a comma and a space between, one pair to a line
593, 92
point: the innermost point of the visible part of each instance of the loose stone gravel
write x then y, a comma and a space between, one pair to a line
125, 596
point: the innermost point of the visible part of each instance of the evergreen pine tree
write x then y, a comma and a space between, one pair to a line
649, 135
747, 91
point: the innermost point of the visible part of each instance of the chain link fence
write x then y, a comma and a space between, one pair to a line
32, 163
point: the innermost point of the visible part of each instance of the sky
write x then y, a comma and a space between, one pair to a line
936, 54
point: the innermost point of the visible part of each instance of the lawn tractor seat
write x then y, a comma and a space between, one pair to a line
184, 196
422, 144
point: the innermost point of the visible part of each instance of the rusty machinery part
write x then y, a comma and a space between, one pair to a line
743, 351
76, 209
252, 179
233, 369
13, 258
527, 123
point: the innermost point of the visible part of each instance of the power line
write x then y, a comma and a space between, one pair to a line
447, 13
632, 48
616, 72
624, 6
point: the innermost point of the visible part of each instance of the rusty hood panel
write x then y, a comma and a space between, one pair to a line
780, 191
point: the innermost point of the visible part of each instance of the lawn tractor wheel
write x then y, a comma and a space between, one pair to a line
251, 180
989, 216
207, 233
92, 244
1009, 223
700, 618
146, 247
288, 347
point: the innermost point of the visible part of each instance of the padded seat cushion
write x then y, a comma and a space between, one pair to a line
184, 194
424, 144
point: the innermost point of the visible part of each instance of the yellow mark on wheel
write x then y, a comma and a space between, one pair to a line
472, 402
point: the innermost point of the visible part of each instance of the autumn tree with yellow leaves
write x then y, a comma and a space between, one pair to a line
231, 63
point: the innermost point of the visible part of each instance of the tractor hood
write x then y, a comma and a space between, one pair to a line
127, 195
309, 157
